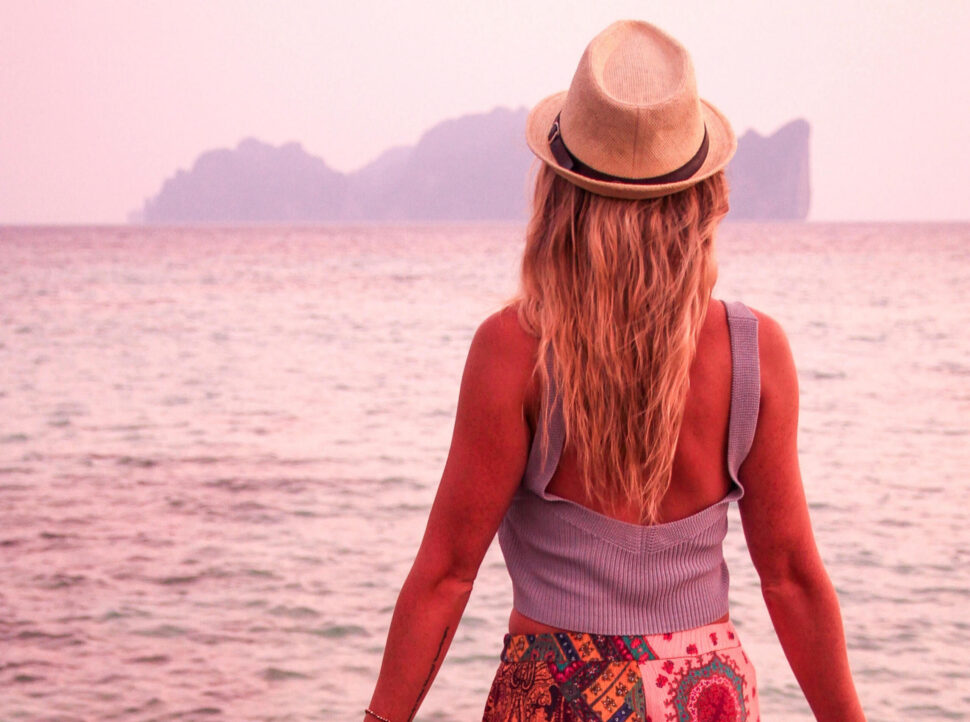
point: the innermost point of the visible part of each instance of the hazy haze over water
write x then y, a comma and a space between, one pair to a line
218, 448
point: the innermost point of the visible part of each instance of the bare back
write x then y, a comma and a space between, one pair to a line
699, 476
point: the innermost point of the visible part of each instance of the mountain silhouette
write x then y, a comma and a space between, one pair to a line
769, 176
471, 168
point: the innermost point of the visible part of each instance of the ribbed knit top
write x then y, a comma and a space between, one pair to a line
577, 569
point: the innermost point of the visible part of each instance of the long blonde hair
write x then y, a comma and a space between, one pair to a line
617, 291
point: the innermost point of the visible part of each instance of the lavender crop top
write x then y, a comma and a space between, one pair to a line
577, 569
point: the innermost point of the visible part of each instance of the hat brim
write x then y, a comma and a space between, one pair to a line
721, 138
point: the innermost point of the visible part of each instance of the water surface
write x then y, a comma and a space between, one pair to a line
218, 448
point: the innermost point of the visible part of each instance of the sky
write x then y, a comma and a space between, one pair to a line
101, 101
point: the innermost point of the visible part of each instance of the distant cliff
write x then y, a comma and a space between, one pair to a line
471, 168
769, 177
254, 182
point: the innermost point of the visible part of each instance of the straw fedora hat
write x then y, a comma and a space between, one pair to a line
631, 124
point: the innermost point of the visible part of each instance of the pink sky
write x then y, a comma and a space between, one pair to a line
101, 101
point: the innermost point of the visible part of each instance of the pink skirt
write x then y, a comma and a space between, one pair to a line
696, 675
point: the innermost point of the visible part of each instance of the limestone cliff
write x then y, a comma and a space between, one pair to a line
470, 168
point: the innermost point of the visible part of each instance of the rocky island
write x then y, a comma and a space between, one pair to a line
471, 168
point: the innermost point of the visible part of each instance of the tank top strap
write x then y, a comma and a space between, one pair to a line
548, 440
745, 386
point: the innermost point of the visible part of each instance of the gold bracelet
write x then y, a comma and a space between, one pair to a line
374, 714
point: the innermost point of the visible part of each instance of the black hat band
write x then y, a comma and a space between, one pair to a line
567, 160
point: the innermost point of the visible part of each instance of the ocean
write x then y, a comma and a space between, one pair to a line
218, 448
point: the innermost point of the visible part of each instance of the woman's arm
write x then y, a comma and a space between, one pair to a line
488, 454
797, 591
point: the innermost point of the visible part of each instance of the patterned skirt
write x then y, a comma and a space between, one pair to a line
696, 675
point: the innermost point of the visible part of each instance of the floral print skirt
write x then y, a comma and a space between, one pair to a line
695, 675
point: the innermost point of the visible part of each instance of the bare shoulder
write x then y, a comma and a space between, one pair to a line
778, 374
771, 336
504, 326
502, 339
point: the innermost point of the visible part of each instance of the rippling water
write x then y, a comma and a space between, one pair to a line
218, 448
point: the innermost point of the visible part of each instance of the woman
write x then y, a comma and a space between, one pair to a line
605, 421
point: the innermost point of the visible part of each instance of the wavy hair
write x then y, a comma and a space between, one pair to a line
617, 290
